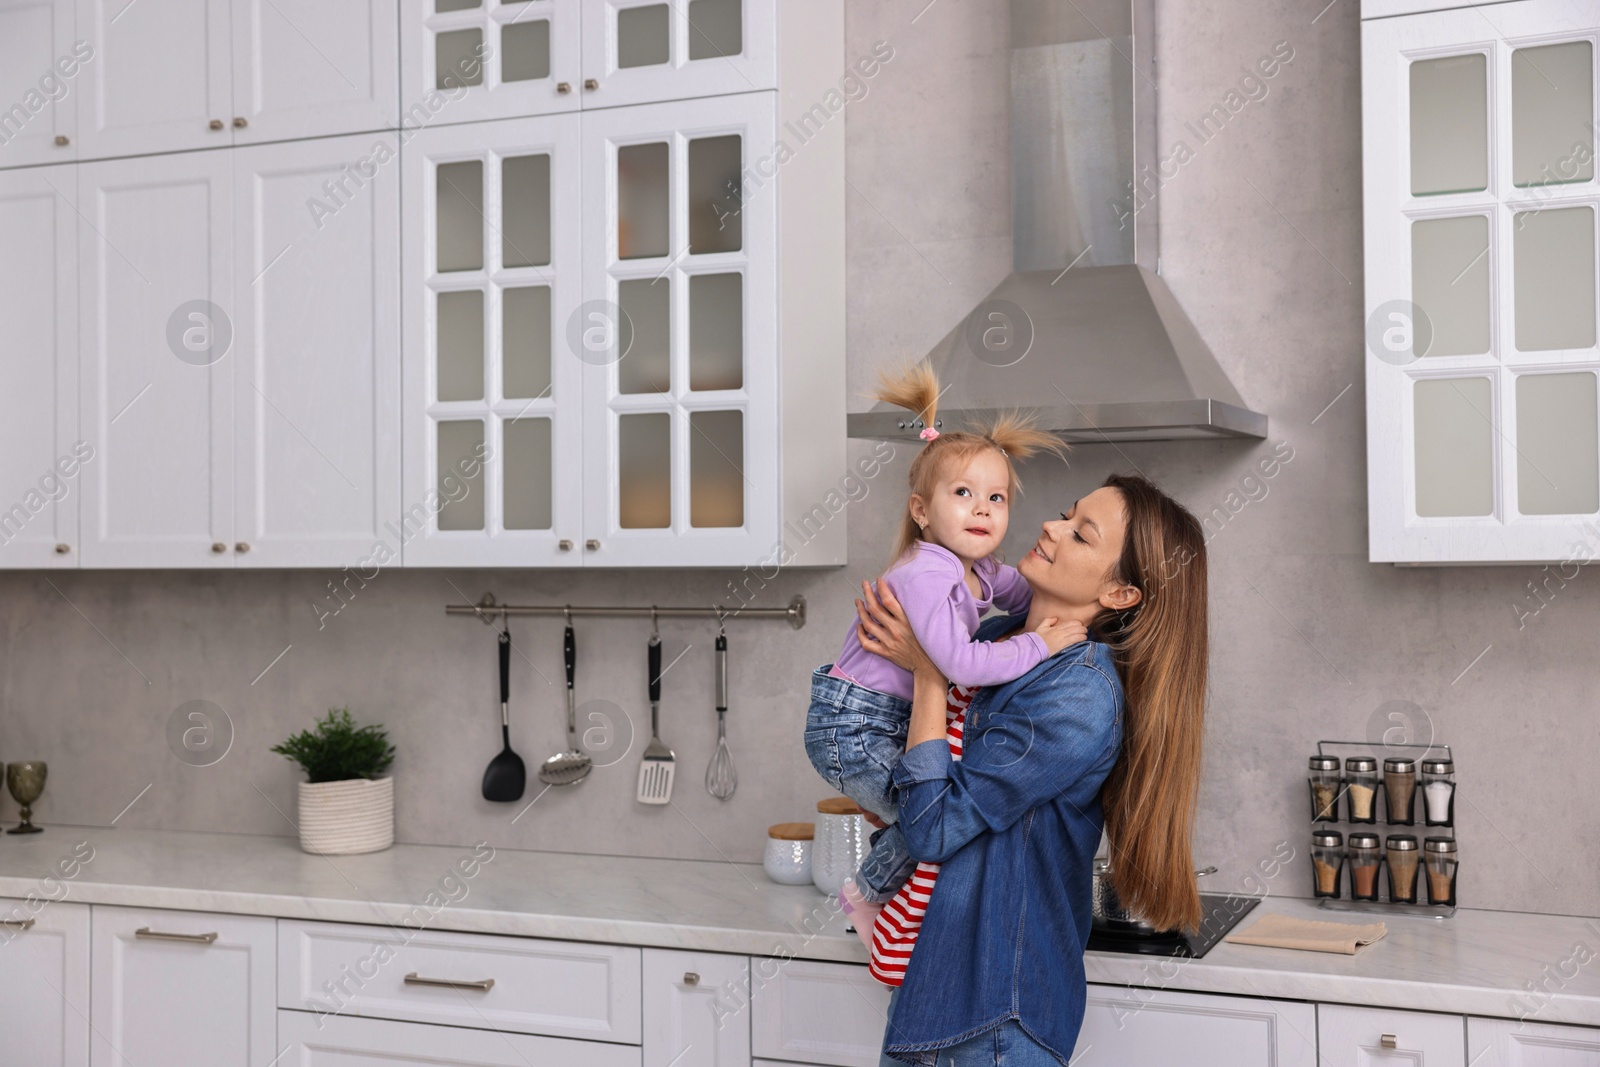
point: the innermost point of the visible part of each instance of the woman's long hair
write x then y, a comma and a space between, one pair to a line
1160, 649
1013, 436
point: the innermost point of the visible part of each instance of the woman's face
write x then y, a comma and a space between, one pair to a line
1074, 561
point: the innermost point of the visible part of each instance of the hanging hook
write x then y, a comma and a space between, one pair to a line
567, 611
721, 616
655, 629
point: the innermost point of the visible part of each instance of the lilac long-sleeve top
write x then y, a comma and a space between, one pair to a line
932, 588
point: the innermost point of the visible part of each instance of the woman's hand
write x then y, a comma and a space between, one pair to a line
884, 631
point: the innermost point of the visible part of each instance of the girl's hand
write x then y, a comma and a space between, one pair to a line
884, 630
1058, 635
873, 820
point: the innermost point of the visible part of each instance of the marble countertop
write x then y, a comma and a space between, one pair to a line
1540, 967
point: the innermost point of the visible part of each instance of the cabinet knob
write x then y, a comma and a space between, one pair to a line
62, 550
591, 84
564, 545
591, 544
240, 122
690, 978
62, 140
242, 546
1388, 1041
563, 88
218, 546
216, 124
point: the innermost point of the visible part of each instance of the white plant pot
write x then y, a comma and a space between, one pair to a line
342, 818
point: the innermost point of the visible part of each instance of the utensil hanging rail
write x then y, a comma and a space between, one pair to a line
487, 609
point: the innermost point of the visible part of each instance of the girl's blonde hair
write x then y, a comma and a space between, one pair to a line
916, 388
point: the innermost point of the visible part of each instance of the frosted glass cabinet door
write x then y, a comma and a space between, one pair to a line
160, 80
41, 477
466, 60
156, 333
679, 338
316, 366
493, 409
643, 51
36, 44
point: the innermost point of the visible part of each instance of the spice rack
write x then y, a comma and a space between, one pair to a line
1356, 793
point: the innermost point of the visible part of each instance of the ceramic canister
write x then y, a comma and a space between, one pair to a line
788, 856
842, 842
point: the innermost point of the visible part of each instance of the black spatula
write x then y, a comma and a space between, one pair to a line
504, 778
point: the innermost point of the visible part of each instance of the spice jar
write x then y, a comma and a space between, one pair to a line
1324, 779
1365, 857
1403, 861
1327, 858
1440, 860
1439, 792
1361, 788
1399, 790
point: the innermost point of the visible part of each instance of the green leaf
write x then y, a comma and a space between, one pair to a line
337, 750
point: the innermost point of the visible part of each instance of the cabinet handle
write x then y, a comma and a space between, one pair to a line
216, 124
62, 140
144, 933
690, 978
563, 88
218, 546
242, 546
564, 545
240, 122
63, 549
482, 986
591, 544
16, 924
591, 84
1388, 1041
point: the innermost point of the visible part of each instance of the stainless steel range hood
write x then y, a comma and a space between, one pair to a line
1084, 332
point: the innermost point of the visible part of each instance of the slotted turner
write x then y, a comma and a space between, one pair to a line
659, 764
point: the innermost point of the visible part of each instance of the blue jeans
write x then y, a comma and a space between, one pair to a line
854, 738
1006, 1045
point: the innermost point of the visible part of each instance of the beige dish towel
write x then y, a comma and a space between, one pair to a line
1283, 931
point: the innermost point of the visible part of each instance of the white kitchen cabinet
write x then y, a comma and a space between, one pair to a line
493, 400
1126, 1025
44, 983
689, 1009
1381, 1037
155, 266
824, 1013
39, 66
310, 1040
645, 51
41, 461
1509, 1043
468, 60
556, 988
181, 989
1482, 368
316, 364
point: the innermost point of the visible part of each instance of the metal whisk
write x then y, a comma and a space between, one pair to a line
721, 778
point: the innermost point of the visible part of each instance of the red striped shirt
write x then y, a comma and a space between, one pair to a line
894, 934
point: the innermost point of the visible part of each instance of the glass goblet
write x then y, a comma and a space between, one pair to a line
26, 782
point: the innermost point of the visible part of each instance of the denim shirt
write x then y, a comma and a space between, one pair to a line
1014, 824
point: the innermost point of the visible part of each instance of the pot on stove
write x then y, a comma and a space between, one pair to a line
1107, 911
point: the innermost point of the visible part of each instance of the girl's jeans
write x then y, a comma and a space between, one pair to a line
854, 738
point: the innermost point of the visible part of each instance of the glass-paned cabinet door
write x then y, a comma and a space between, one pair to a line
466, 60
1482, 217
492, 286
678, 334
644, 51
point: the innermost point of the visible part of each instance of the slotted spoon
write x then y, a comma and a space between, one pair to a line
721, 778
657, 768
573, 765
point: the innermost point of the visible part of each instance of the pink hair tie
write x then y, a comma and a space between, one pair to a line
928, 434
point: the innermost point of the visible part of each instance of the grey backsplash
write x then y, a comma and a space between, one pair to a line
1262, 244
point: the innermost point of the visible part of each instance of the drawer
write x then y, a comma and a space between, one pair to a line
346, 1041
1348, 1036
827, 1013
1512, 1043
1125, 1025
516, 984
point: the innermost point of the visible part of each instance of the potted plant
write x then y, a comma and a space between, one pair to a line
345, 807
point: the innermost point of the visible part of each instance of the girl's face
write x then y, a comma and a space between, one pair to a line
1075, 559
970, 507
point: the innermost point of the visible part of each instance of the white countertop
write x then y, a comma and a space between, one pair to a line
1477, 963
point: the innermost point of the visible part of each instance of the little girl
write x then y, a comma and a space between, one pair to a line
945, 576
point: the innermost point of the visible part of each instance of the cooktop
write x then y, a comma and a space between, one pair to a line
1220, 913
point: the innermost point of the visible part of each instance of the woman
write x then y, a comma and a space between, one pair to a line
1105, 733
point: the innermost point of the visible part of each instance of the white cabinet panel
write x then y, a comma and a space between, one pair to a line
1380, 1037
155, 241
181, 989
316, 352
305, 68
345, 1041
160, 78
39, 65
644, 51
44, 984
826, 1013
689, 1013
1504, 1043
1156, 1028
468, 62
559, 988
41, 474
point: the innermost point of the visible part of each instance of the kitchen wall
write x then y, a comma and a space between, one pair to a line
1261, 243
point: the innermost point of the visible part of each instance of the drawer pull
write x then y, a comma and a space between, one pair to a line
690, 978
1388, 1041
144, 933
482, 986
16, 924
